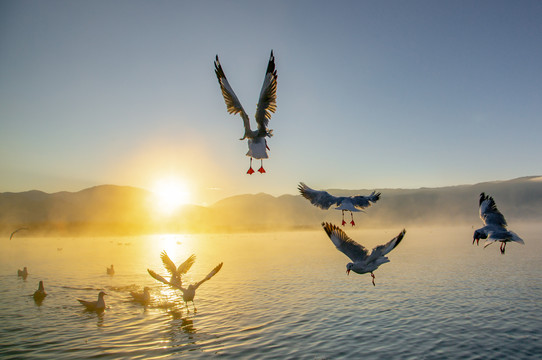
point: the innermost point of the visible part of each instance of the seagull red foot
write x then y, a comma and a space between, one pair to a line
344, 222
373, 276
261, 170
250, 171
352, 223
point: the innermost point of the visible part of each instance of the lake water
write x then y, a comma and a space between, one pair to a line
279, 295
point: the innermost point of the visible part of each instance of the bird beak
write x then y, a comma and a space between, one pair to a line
347, 271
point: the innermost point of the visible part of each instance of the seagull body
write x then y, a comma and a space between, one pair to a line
363, 262
40, 294
325, 200
16, 231
111, 270
189, 292
98, 305
267, 104
23, 273
142, 297
494, 225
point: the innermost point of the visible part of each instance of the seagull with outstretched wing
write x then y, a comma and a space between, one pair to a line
190, 292
362, 261
494, 225
325, 200
177, 272
267, 104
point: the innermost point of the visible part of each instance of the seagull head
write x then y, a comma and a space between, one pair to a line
478, 235
349, 267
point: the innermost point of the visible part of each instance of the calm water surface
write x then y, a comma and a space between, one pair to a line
280, 295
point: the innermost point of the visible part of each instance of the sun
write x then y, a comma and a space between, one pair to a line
170, 194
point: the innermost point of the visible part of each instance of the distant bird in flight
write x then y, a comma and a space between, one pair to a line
190, 292
267, 104
23, 273
363, 262
324, 200
98, 305
111, 270
494, 225
40, 294
16, 231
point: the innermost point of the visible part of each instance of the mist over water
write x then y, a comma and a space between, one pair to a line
278, 295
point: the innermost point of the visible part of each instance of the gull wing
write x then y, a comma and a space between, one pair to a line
364, 201
319, 198
267, 103
343, 243
162, 280
489, 213
382, 250
185, 266
232, 102
209, 276
16, 231
168, 264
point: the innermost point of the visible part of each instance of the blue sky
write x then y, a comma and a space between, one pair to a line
371, 94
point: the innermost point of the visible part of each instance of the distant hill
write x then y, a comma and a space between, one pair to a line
110, 209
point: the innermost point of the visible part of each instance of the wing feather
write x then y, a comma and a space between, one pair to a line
210, 275
168, 263
365, 201
343, 243
185, 266
319, 198
382, 250
489, 213
233, 104
267, 103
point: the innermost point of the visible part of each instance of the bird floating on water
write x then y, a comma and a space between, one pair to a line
40, 294
98, 305
267, 104
190, 292
22, 273
16, 231
494, 225
363, 262
110, 270
324, 200
142, 297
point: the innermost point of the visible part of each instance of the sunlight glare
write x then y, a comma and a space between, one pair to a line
170, 194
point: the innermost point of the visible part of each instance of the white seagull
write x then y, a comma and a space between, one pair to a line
267, 104
363, 262
494, 225
324, 200
40, 294
98, 305
190, 292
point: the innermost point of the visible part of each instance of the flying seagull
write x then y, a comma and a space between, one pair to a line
40, 294
324, 200
176, 272
16, 231
190, 292
363, 262
95, 305
267, 104
494, 225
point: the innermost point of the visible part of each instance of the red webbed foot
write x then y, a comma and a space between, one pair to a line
250, 171
261, 170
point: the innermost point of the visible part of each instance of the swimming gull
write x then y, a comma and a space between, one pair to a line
23, 273
98, 305
494, 225
40, 294
363, 262
142, 297
110, 270
324, 200
267, 104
